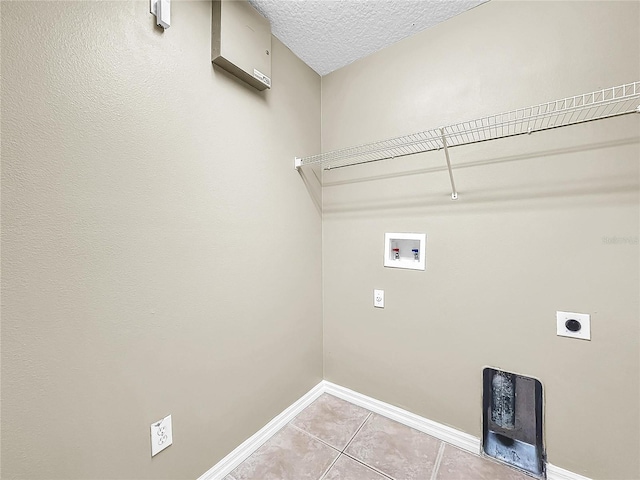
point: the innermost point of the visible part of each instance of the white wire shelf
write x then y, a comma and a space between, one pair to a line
605, 103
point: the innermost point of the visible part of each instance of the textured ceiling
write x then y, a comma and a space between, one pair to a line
329, 34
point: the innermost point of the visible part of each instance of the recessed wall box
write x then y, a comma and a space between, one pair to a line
241, 42
405, 250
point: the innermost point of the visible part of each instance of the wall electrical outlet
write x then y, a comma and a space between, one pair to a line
378, 298
574, 325
161, 435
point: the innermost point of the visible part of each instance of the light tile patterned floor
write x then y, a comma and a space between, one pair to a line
336, 440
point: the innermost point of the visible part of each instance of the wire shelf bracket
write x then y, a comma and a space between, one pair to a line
454, 192
604, 103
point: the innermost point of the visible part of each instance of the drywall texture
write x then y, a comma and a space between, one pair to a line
544, 222
160, 254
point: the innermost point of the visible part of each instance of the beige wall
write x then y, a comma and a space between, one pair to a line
160, 254
524, 239
154, 234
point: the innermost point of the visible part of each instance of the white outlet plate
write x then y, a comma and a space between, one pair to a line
161, 435
585, 321
378, 298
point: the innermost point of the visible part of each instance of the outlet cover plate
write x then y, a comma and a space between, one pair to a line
161, 435
585, 323
378, 298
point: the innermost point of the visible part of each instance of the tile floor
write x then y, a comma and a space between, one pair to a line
335, 440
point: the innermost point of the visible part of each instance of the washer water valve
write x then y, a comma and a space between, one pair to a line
405, 250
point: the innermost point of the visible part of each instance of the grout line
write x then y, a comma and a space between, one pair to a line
330, 467
357, 431
368, 466
436, 465
315, 438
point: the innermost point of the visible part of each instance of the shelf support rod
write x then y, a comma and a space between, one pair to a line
454, 192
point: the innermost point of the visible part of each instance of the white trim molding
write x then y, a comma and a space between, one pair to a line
225, 466
442, 432
557, 473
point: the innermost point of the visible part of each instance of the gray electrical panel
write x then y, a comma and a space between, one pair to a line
241, 42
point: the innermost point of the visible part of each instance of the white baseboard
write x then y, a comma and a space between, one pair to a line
557, 473
244, 451
446, 434
442, 432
